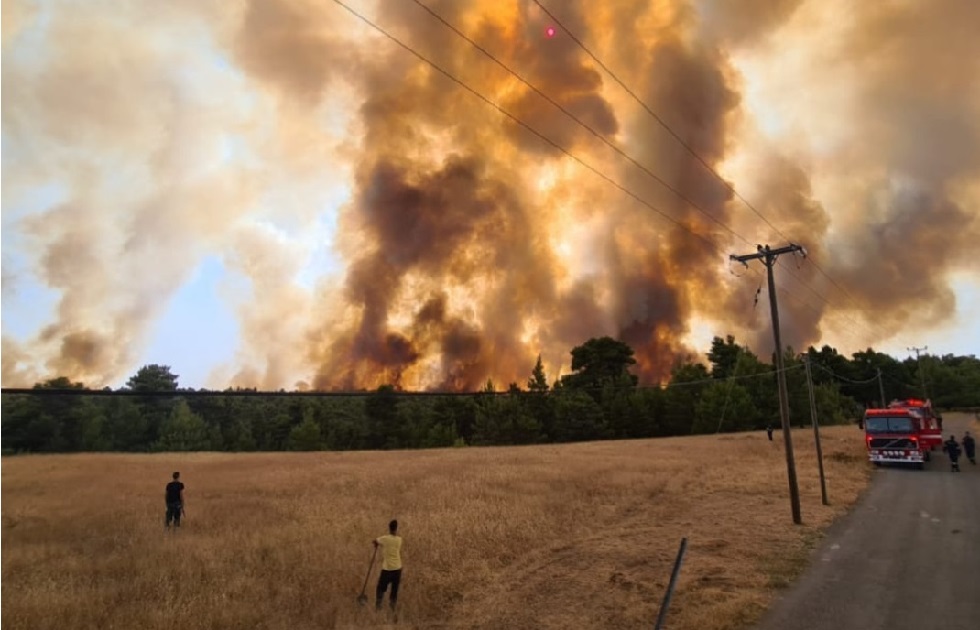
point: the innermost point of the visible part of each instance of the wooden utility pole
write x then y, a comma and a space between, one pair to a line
816, 429
881, 388
922, 376
768, 257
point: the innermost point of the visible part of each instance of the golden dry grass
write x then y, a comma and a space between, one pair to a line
571, 536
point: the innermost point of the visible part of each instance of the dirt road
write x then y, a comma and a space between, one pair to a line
908, 556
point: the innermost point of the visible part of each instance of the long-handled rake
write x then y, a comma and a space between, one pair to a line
362, 598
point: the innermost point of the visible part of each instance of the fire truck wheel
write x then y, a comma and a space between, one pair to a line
926, 456
919, 466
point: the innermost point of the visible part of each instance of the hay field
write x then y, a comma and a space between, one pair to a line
569, 536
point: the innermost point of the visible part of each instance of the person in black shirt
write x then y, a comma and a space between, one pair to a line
952, 448
175, 501
970, 447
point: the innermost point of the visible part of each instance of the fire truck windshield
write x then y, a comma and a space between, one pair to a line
888, 424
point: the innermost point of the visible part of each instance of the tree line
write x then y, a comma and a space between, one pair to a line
734, 391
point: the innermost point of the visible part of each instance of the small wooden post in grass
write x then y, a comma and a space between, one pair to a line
670, 587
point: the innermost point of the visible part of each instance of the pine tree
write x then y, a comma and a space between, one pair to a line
538, 382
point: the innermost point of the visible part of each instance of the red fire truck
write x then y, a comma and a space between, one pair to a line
930, 423
895, 436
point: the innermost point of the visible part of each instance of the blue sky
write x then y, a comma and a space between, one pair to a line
198, 330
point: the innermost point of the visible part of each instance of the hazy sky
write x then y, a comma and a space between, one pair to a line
270, 193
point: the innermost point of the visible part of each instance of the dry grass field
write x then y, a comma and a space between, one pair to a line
571, 536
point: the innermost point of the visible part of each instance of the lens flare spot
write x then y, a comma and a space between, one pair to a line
550, 31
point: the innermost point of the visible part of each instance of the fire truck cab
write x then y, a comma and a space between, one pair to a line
894, 436
930, 423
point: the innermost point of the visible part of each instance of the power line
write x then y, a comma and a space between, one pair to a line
850, 334
583, 124
528, 127
600, 136
659, 120
834, 282
844, 378
686, 146
772, 372
568, 114
595, 133
547, 140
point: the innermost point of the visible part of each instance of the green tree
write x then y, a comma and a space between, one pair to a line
459, 412
598, 361
724, 406
67, 415
153, 378
538, 404
828, 365
381, 408
155, 409
724, 356
622, 410
681, 398
305, 436
898, 383
759, 381
832, 407
505, 420
183, 430
488, 426
125, 426
346, 423
240, 437
92, 422
538, 383
25, 427
648, 403
578, 417
61, 382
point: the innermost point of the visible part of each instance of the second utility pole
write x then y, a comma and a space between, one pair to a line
922, 378
768, 258
816, 428
881, 389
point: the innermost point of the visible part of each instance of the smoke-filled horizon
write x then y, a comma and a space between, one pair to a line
464, 245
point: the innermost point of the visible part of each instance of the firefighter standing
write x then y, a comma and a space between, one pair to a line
952, 449
970, 448
391, 565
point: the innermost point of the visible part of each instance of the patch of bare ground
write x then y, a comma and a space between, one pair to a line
570, 536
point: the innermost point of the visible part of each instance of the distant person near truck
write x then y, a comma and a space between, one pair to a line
970, 448
952, 448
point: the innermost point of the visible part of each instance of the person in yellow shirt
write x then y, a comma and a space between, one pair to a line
391, 565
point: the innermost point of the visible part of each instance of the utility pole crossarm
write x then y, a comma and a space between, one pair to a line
767, 253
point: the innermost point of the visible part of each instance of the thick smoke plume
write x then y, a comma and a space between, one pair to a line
140, 141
